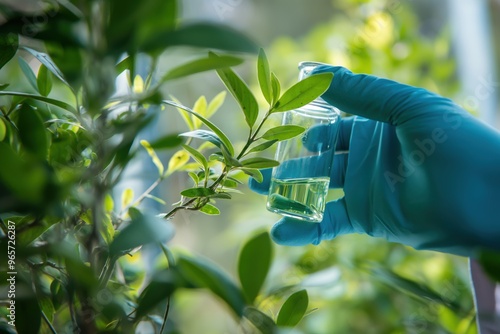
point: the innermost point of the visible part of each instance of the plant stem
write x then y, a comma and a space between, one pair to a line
252, 137
165, 317
142, 196
52, 329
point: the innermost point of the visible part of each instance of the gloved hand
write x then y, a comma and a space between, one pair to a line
419, 170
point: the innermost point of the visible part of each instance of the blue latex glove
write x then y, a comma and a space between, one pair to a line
420, 170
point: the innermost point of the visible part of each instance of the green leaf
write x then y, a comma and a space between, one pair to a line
69, 61
44, 81
143, 229
225, 140
264, 76
293, 309
260, 320
54, 102
490, 262
162, 285
48, 63
166, 142
28, 73
202, 273
206, 135
240, 91
255, 173
203, 35
259, 163
154, 156
262, 147
210, 209
28, 315
253, 265
8, 47
124, 64
303, 92
283, 132
28, 235
197, 192
276, 88
201, 65
32, 132
200, 158
26, 180
221, 196
3, 129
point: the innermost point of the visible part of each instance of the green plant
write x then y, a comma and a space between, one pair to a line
66, 138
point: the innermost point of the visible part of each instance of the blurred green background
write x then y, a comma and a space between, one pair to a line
356, 283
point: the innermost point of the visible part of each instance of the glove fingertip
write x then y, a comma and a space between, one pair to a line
289, 232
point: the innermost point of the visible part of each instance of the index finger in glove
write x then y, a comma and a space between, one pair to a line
377, 98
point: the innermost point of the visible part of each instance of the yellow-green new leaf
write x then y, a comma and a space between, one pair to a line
215, 104
3, 129
154, 157
127, 197
179, 159
200, 106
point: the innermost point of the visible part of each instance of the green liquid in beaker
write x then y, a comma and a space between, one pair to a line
302, 198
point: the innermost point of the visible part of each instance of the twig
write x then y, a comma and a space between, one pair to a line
52, 329
165, 317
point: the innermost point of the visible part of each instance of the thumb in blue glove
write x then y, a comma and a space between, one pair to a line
420, 170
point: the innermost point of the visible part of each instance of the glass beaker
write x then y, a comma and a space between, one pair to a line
299, 185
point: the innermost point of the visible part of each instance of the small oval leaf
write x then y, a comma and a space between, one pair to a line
198, 192
293, 310
44, 81
210, 209
255, 173
283, 132
259, 163
303, 92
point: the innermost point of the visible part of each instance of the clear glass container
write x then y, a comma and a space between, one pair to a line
299, 185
